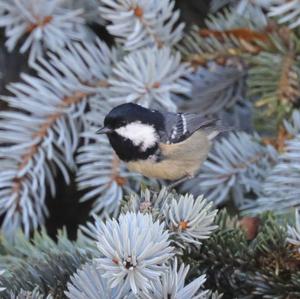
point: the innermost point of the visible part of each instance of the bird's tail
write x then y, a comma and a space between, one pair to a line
217, 128
211, 125
212, 135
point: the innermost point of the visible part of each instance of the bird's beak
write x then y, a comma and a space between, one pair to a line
104, 130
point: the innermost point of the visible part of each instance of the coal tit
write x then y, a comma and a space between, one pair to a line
161, 145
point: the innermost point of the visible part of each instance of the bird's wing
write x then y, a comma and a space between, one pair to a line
179, 126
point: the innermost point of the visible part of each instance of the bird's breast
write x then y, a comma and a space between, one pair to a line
179, 159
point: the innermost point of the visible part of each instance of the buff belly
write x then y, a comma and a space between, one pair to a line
180, 159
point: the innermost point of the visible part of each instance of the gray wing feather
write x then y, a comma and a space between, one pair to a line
180, 126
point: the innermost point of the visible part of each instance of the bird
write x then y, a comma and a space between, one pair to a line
162, 145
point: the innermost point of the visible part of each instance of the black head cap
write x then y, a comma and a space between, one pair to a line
129, 112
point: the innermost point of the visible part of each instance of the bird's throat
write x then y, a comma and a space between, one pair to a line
128, 151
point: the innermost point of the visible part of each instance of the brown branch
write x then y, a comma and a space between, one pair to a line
279, 141
249, 42
115, 172
42, 132
39, 23
240, 33
288, 86
139, 13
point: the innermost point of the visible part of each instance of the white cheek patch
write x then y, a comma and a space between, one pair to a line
140, 134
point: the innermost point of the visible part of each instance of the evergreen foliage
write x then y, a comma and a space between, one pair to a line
143, 240
41, 264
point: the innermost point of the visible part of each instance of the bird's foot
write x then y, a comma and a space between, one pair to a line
178, 182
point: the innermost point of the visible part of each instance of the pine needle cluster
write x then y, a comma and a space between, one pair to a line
142, 240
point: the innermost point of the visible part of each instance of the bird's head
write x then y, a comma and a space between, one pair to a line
131, 127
